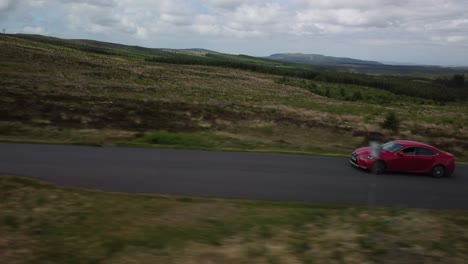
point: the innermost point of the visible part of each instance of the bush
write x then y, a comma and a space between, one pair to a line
187, 140
391, 122
356, 96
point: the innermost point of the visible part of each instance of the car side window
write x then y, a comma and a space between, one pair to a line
409, 151
425, 152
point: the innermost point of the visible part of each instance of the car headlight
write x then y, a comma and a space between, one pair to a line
369, 157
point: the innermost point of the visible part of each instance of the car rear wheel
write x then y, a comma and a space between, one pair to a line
378, 167
438, 171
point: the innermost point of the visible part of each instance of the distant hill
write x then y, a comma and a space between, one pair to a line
91, 45
299, 61
317, 59
201, 50
107, 47
362, 66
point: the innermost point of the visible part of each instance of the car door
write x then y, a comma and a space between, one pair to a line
424, 159
405, 160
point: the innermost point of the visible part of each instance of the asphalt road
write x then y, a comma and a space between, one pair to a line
231, 175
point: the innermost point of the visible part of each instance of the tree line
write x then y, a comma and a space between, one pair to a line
441, 89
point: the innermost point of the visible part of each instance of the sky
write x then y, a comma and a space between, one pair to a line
431, 32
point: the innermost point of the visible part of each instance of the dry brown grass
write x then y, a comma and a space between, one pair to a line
50, 87
41, 223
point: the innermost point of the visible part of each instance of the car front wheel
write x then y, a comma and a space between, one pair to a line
378, 167
438, 171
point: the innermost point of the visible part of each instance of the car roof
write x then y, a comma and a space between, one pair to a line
412, 143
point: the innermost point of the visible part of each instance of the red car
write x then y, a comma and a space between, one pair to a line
405, 156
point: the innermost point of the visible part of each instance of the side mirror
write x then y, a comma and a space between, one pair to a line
401, 154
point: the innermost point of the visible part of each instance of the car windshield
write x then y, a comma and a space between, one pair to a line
391, 146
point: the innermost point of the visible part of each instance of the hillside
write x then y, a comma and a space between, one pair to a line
297, 61
317, 59
363, 66
63, 91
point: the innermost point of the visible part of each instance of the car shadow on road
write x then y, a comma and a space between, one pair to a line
409, 174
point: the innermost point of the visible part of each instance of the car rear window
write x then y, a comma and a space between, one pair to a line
425, 152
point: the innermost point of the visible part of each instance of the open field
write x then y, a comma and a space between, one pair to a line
64, 94
43, 223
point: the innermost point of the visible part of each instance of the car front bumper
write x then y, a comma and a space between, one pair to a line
354, 160
359, 162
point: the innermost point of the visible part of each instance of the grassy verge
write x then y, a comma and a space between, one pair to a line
260, 139
73, 95
43, 223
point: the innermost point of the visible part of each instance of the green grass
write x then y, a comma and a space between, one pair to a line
58, 93
43, 223
164, 138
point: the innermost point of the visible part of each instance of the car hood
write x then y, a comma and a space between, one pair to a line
363, 151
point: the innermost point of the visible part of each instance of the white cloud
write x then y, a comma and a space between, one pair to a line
174, 19
258, 14
206, 25
105, 3
226, 4
6, 4
34, 30
374, 23
456, 38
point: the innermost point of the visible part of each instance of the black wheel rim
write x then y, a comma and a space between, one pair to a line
378, 168
438, 171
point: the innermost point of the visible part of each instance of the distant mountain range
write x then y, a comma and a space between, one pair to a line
363, 66
318, 59
200, 50
297, 59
